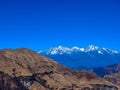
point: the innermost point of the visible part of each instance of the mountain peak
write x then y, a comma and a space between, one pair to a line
92, 48
75, 48
84, 57
66, 50
58, 50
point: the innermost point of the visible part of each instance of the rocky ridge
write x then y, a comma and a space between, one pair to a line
23, 69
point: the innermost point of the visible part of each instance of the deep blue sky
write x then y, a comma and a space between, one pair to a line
41, 24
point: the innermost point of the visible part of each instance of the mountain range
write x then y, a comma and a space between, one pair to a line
24, 69
90, 57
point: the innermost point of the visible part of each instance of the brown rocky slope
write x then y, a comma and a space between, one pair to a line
23, 69
114, 78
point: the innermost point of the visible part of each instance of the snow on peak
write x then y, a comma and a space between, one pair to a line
100, 52
91, 48
61, 50
114, 51
58, 50
110, 51
53, 51
65, 50
82, 49
75, 48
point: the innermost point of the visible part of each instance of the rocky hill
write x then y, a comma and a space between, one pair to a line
23, 69
114, 78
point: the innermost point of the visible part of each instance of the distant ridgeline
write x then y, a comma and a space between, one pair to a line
101, 61
76, 57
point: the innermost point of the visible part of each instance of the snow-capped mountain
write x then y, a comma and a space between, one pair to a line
65, 50
92, 56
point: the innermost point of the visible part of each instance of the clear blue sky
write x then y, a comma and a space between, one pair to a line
41, 24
